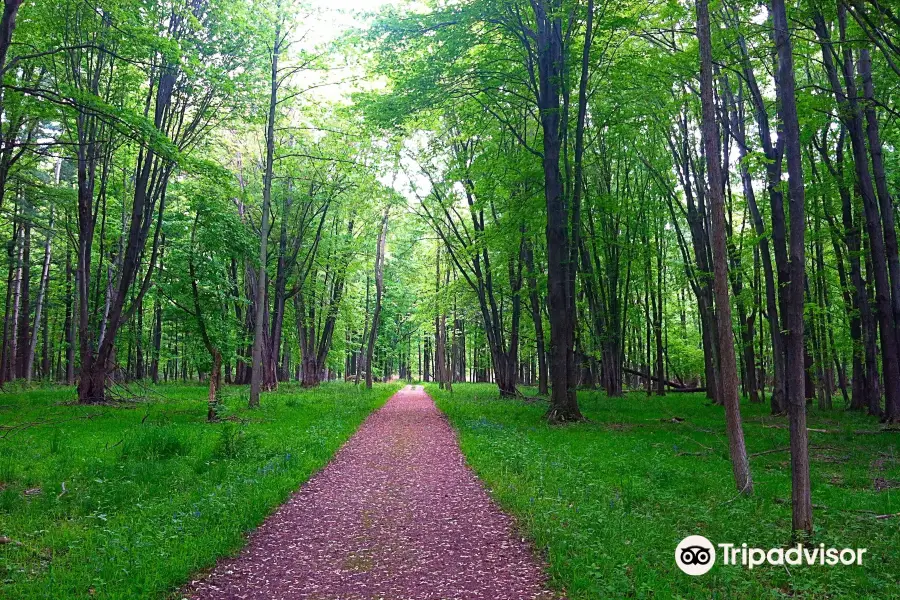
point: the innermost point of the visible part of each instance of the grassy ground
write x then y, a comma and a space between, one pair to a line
106, 502
609, 500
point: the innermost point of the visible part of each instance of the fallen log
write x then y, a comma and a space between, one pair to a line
676, 387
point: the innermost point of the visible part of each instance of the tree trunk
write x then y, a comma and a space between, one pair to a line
13, 352
148, 204
7, 26
8, 321
257, 375
379, 291
365, 338
70, 320
851, 115
658, 313
551, 59
440, 327
892, 401
215, 377
280, 293
856, 301
39, 305
801, 503
23, 336
139, 342
728, 363
426, 375
537, 318
773, 185
157, 340
702, 281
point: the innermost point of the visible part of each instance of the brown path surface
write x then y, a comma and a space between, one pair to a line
397, 515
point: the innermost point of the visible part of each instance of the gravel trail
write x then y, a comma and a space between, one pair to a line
396, 515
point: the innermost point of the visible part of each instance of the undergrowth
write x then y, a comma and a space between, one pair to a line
607, 501
127, 502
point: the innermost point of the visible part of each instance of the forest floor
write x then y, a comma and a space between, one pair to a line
396, 515
130, 501
124, 502
607, 501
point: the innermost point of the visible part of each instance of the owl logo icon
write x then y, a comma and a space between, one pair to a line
695, 555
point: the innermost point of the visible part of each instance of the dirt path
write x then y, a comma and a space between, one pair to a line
396, 515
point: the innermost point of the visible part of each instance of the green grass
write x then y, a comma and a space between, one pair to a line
608, 501
153, 492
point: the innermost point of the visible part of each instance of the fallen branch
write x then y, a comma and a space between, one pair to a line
808, 429
786, 448
676, 387
114, 445
711, 450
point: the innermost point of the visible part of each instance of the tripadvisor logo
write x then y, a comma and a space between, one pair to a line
696, 555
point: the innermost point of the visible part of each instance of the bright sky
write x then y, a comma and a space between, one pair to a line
339, 14
354, 4
335, 16
329, 19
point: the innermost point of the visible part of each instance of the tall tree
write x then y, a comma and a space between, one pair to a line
793, 287
379, 294
727, 363
261, 301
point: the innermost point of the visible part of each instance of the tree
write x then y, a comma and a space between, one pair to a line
727, 363
793, 288
260, 300
379, 293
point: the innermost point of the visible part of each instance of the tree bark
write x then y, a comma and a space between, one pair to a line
773, 154
793, 288
39, 304
379, 292
728, 363
702, 280
440, 328
8, 318
152, 172
157, 341
551, 73
7, 26
257, 375
365, 338
280, 292
13, 352
23, 313
215, 374
70, 319
537, 317
892, 401
851, 115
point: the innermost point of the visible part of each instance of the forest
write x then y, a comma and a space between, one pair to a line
234, 206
